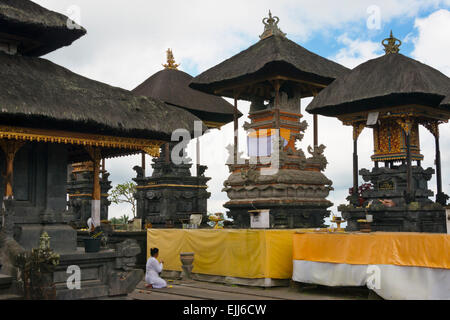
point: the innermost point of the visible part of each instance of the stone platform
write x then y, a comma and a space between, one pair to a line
107, 273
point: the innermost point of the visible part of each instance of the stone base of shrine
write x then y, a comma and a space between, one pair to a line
107, 273
263, 283
413, 218
118, 236
283, 214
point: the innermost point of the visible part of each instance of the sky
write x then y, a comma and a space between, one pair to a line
127, 40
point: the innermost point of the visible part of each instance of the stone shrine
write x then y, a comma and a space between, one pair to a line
274, 75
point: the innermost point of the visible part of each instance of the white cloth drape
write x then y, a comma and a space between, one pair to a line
388, 281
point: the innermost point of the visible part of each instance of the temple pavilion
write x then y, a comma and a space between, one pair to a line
392, 95
51, 117
275, 74
171, 194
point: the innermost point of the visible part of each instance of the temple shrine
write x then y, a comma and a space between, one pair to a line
52, 117
392, 95
79, 188
171, 194
274, 74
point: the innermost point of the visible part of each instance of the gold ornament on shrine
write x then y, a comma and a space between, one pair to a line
271, 27
391, 44
170, 61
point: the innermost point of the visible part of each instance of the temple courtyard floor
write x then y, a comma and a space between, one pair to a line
196, 290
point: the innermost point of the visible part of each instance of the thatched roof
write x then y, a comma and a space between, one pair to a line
445, 104
388, 81
37, 93
172, 87
274, 55
37, 30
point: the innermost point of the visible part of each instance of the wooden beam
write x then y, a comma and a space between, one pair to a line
143, 162
10, 148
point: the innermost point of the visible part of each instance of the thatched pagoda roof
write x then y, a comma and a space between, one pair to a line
388, 81
37, 93
445, 104
37, 30
273, 55
172, 87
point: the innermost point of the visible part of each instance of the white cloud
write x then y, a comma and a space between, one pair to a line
356, 51
432, 45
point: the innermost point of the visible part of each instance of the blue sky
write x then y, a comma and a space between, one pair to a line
127, 40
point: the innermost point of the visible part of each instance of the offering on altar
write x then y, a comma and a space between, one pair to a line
338, 221
216, 218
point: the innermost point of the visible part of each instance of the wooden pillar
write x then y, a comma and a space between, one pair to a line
315, 126
441, 198
355, 166
357, 129
10, 148
198, 155
96, 156
236, 128
438, 162
408, 164
103, 167
167, 153
277, 86
316, 130
143, 162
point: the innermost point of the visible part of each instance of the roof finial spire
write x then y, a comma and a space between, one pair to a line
271, 27
170, 61
391, 44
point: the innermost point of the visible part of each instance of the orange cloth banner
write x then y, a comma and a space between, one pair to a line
396, 248
241, 253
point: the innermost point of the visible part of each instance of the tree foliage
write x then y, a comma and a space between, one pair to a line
123, 193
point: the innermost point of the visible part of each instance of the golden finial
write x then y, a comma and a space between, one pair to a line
170, 61
271, 27
391, 44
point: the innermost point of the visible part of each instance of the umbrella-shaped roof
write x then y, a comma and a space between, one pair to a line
445, 104
388, 81
273, 55
34, 29
172, 86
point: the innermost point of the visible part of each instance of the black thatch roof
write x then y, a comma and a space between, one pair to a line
388, 81
445, 104
37, 30
172, 87
37, 93
275, 55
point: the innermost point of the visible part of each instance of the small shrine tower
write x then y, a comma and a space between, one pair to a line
274, 74
392, 95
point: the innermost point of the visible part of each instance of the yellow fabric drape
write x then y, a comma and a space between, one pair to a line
242, 253
396, 248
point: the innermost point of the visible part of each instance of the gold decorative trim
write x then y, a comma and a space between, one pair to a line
151, 147
406, 124
171, 185
106, 195
213, 124
419, 112
433, 127
357, 129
